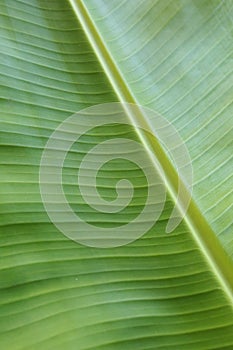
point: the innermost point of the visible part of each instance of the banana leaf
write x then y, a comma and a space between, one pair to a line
161, 291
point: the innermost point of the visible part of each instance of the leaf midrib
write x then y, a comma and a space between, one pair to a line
202, 232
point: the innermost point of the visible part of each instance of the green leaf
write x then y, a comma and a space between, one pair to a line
162, 291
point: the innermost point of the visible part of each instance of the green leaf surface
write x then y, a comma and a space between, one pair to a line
163, 291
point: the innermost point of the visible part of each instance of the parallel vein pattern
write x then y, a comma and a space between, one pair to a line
157, 293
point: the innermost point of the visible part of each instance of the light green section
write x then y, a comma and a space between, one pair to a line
176, 58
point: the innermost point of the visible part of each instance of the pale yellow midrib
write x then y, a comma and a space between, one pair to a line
202, 232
